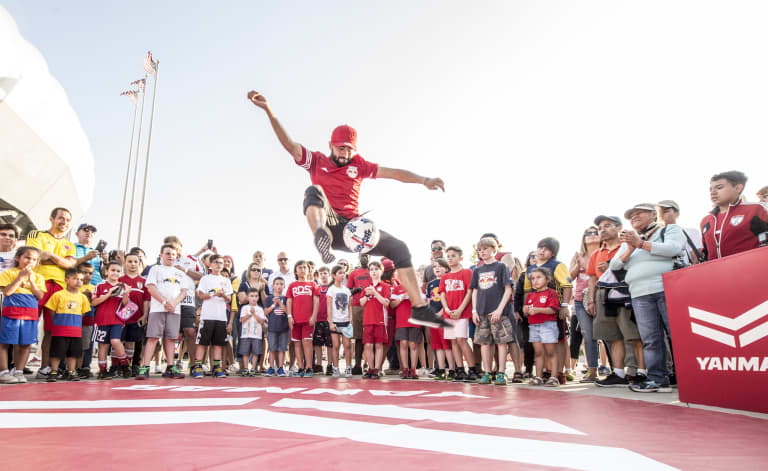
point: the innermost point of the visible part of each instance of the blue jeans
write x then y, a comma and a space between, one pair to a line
585, 324
652, 322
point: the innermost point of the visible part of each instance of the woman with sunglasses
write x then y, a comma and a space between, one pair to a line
590, 241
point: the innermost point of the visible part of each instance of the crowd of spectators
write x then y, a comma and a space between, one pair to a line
197, 316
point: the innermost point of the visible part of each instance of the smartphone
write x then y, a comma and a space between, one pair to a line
101, 246
210, 244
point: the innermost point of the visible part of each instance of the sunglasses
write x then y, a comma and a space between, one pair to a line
437, 249
282, 259
255, 269
87, 229
591, 233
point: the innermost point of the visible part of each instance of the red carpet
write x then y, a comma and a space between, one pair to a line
299, 424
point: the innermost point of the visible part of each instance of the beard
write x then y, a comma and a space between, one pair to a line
336, 160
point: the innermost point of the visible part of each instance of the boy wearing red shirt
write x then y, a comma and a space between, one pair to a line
357, 281
375, 303
139, 295
110, 296
409, 336
302, 313
322, 332
541, 307
457, 309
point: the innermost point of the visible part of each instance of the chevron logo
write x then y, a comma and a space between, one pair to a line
730, 326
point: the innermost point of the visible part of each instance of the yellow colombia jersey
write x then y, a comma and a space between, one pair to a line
46, 242
560, 273
68, 309
235, 287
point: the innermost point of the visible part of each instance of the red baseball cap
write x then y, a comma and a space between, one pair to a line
344, 135
387, 264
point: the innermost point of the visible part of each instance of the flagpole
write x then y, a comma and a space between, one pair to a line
149, 143
127, 175
136, 167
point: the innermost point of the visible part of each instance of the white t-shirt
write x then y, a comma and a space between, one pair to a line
6, 260
251, 328
340, 307
168, 281
288, 277
188, 262
215, 308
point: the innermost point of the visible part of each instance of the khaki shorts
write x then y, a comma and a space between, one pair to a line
490, 333
609, 328
163, 325
357, 321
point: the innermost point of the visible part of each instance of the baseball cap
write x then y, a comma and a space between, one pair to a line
387, 264
84, 225
615, 219
669, 204
489, 234
344, 135
640, 206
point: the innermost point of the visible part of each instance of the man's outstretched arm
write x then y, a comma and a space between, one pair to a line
406, 176
292, 147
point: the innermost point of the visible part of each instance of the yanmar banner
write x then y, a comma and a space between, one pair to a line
718, 315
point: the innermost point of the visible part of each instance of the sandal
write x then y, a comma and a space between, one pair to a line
553, 382
536, 381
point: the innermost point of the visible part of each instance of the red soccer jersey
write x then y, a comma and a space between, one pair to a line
301, 294
340, 184
359, 278
106, 311
138, 295
546, 298
403, 310
737, 230
374, 311
322, 307
455, 287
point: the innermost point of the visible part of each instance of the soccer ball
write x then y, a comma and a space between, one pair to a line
361, 235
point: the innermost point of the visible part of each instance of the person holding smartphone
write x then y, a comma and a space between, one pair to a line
85, 251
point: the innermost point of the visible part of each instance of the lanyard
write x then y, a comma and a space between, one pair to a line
719, 233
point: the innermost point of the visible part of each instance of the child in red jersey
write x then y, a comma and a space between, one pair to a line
322, 331
375, 302
110, 296
445, 366
139, 295
457, 309
409, 336
541, 307
68, 307
302, 314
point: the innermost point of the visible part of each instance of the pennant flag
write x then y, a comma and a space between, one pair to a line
131, 94
150, 65
140, 83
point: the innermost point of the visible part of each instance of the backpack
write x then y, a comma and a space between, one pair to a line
680, 261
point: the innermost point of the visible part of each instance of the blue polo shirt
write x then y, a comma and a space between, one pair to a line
81, 251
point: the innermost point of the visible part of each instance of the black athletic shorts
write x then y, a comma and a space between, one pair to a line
66, 347
388, 246
188, 317
322, 335
211, 332
132, 333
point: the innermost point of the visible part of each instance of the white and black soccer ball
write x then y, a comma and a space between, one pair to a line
361, 235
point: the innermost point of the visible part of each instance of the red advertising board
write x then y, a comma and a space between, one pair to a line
718, 316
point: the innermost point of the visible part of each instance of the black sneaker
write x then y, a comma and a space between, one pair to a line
125, 371
73, 376
638, 379
84, 373
368, 373
451, 376
104, 374
52, 377
439, 375
422, 315
329, 370
317, 369
460, 375
356, 370
323, 244
612, 381
673, 380
375, 374
471, 375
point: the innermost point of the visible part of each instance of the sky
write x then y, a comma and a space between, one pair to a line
538, 115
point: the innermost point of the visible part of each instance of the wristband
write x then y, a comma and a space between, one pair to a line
563, 304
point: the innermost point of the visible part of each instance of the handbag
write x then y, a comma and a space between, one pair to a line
126, 312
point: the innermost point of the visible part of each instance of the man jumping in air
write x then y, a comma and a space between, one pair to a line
332, 200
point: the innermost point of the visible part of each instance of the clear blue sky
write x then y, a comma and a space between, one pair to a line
538, 115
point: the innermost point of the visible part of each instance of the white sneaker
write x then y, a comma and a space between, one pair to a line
293, 371
348, 372
233, 369
335, 372
206, 368
20, 378
43, 373
8, 378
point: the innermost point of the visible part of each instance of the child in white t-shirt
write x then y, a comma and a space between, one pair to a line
250, 347
338, 297
216, 292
